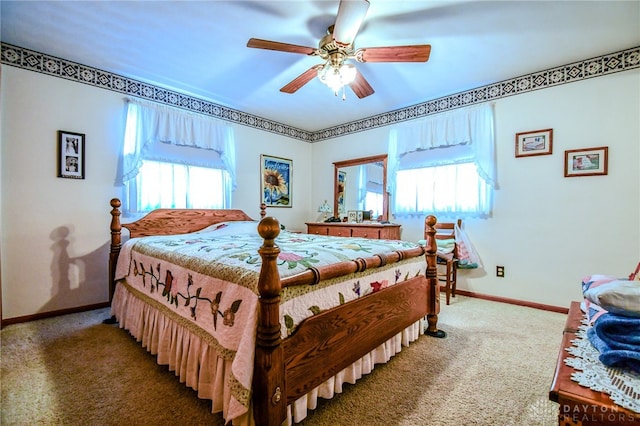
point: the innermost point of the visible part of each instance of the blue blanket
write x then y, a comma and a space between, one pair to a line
617, 338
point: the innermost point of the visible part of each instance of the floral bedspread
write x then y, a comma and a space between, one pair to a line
208, 280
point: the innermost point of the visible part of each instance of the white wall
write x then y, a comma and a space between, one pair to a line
55, 231
53, 235
548, 231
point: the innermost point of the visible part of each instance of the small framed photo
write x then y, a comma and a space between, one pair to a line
352, 216
275, 181
586, 162
70, 155
537, 142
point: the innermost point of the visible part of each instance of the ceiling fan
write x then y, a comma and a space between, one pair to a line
336, 49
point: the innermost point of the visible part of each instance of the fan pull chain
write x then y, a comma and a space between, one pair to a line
344, 94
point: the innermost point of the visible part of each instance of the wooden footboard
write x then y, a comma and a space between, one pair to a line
324, 344
328, 342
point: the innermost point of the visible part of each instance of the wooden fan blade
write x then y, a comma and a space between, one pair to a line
361, 86
280, 47
417, 53
349, 19
301, 80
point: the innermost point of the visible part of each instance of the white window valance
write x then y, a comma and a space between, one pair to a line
162, 133
465, 135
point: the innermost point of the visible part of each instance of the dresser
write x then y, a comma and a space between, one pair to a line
373, 230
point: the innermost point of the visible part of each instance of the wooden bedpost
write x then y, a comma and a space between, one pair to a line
116, 244
432, 278
268, 380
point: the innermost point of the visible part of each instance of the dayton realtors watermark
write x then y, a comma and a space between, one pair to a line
596, 414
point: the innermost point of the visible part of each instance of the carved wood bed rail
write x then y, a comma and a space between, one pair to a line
285, 369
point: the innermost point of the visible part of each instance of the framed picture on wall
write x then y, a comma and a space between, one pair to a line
275, 181
70, 155
537, 142
586, 162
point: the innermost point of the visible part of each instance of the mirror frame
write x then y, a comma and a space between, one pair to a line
356, 162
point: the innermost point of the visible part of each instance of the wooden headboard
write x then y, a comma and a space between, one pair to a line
176, 221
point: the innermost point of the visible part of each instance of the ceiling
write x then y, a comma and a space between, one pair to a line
199, 47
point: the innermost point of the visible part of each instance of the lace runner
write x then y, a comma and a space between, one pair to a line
623, 387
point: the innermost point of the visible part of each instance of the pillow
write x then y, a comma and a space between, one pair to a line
232, 228
620, 297
593, 281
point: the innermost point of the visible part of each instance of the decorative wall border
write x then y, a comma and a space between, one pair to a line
622, 60
51, 65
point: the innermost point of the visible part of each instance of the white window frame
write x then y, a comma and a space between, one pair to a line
164, 184
452, 190
456, 153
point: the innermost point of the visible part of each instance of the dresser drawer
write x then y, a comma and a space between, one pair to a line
317, 230
372, 233
339, 231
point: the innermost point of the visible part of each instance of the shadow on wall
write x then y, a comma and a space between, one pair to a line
76, 281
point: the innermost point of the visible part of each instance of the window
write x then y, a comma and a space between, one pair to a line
175, 159
454, 189
370, 188
172, 185
373, 201
444, 165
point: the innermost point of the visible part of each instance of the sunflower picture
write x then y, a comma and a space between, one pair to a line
275, 185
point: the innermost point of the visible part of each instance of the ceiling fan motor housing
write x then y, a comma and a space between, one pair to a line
328, 48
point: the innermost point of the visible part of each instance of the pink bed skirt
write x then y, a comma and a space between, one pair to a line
198, 365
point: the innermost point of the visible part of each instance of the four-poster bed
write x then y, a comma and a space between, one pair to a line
272, 348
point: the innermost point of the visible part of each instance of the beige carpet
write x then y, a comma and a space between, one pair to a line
494, 368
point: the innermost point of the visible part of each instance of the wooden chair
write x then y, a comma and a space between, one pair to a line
448, 274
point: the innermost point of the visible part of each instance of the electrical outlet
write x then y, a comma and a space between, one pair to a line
500, 271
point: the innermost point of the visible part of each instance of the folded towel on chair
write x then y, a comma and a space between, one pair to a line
617, 338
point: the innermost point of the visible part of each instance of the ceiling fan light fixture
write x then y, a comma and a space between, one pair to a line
336, 77
337, 46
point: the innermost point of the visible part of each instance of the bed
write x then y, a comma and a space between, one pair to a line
264, 327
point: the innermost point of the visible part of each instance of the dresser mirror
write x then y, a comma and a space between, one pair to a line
364, 178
